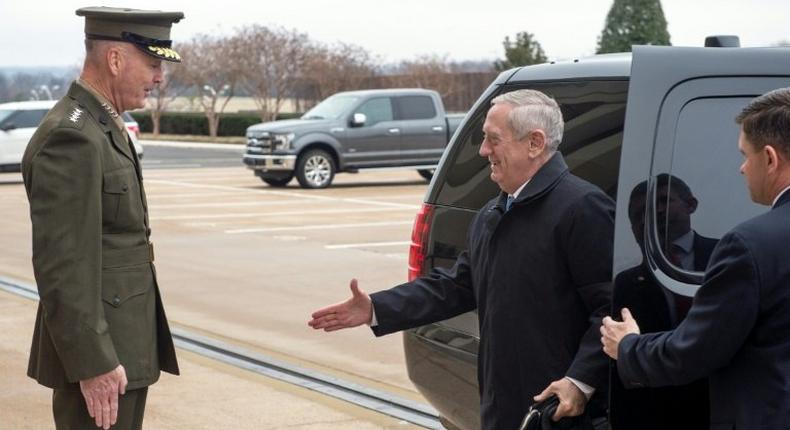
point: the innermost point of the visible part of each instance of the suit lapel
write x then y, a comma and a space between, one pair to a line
120, 143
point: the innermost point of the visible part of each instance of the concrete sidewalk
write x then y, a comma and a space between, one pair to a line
207, 395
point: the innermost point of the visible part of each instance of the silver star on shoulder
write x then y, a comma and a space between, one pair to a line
110, 110
75, 115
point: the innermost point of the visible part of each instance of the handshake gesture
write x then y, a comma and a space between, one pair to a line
353, 312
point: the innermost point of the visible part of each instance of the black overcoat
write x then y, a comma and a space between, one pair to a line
539, 276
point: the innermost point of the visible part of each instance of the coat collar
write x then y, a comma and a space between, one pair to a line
784, 197
544, 181
100, 112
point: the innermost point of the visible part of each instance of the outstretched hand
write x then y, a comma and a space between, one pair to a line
353, 312
612, 332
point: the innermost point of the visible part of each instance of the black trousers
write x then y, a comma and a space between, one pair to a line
71, 411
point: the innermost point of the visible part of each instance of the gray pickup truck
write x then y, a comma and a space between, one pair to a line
350, 131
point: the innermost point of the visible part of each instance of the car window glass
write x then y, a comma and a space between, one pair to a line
376, 110
26, 118
594, 113
415, 107
5, 113
704, 195
332, 108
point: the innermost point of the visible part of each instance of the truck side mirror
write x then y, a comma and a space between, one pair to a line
358, 120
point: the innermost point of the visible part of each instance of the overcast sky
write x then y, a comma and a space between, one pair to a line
48, 33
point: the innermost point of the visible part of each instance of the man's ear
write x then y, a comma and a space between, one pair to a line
692, 204
115, 60
536, 139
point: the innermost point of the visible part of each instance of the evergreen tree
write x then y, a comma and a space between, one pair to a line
523, 51
633, 22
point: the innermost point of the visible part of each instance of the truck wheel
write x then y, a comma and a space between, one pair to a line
426, 173
315, 169
277, 182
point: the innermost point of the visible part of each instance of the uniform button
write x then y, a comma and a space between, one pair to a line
125, 188
116, 300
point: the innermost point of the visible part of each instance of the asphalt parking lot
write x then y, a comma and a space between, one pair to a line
246, 263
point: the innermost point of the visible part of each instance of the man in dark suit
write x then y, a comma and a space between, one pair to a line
735, 332
658, 309
537, 269
101, 335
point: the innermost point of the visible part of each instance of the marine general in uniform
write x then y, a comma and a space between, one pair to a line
101, 335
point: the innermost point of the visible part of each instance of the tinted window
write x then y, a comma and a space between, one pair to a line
706, 195
594, 113
415, 107
334, 107
26, 118
376, 110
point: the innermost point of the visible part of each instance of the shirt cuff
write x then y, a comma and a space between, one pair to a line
373, 321
586, 389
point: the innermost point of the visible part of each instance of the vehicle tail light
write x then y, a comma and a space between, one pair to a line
419, 241
134, 129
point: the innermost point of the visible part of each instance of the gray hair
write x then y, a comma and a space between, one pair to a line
533, 110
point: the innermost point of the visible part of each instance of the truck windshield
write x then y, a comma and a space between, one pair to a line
332, 108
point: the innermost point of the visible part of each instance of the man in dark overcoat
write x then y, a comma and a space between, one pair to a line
537, 269
736, 330
101, 335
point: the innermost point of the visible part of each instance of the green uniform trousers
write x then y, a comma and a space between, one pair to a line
71, 412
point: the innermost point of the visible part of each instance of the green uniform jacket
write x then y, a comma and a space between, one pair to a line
100, 304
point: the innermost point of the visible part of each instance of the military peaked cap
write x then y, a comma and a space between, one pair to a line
148, 30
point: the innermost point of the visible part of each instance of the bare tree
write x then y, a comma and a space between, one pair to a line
169, 89
209, 65
339, 67
272, 65
431, 72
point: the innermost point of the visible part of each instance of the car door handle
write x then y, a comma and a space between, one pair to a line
393, 131
437, 128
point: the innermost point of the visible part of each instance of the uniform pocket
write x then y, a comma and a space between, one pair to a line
130, 311
121, 211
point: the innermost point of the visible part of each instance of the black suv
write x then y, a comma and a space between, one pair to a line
629, 119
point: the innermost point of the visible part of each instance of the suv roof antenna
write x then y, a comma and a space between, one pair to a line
722, 41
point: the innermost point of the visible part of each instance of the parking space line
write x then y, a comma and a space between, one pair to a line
318, 227
150, 196
280, 193
366, 245
229, 204
268, 214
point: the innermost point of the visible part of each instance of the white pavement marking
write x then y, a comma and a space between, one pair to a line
281, 193
226, 146
155, 206
270, 214
174, 166
318, 227
151, 196
366, 245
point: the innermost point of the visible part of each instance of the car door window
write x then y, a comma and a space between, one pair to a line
26, 118
594, 113
376, 110
703, 195
415, 107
